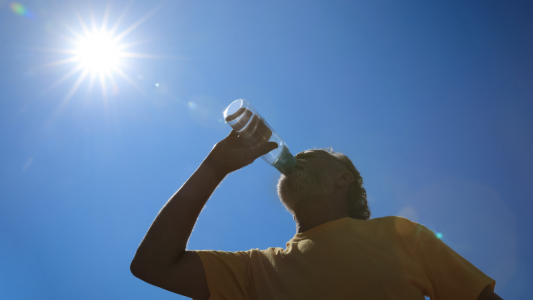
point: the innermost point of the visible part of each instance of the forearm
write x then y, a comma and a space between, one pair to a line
167, 237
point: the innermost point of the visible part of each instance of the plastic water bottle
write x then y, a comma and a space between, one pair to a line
245, 120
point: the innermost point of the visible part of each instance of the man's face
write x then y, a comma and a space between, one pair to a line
314, 174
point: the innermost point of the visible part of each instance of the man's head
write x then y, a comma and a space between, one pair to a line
322, 172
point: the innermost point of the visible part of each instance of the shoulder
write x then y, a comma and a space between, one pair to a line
269, 252
392, 221
240, 254
398, 225
212, 256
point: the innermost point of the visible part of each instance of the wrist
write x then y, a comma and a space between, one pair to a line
216, 166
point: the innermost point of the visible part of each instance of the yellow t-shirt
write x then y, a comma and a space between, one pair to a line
382, 258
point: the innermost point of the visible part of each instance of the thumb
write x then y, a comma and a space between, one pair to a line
264, 149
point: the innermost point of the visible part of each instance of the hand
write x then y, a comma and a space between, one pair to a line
235, 152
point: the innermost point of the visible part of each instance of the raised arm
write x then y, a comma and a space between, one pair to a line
161, 258
488, 294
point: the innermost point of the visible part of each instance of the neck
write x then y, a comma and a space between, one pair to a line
319, 210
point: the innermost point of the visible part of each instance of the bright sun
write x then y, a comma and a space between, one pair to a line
98, 52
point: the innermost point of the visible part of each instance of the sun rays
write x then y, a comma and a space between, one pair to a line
97, 53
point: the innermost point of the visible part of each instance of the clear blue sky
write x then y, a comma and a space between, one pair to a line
433, 101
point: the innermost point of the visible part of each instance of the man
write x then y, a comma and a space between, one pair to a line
337, 252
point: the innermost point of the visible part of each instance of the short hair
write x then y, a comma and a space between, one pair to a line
358, 204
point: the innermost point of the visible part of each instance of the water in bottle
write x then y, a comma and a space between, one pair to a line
245, 120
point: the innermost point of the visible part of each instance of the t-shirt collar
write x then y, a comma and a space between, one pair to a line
322, 227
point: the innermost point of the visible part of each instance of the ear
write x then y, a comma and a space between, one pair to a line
344, 179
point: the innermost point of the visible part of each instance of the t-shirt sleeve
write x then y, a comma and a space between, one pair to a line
451, 276
227, 274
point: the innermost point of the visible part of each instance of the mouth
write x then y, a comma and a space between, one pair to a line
299, 165
297, 168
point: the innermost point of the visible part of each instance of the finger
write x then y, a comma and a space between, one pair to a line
248, 132
262, 135
233, 135
263, 149
256, 133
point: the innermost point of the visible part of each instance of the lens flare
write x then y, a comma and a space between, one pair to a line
20, 10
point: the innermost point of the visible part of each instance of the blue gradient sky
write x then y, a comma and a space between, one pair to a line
431, 100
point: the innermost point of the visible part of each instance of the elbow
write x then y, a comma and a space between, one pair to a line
144, 270
138, 269
135, 269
